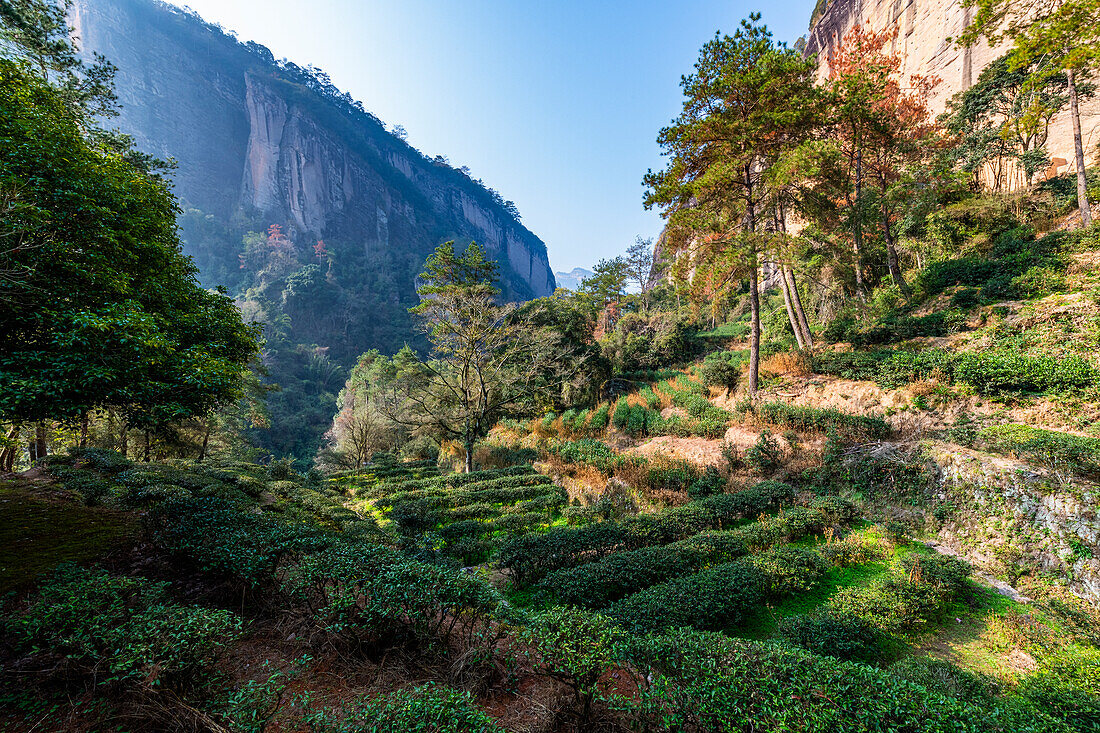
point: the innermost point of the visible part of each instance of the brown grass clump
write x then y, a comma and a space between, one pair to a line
791, 363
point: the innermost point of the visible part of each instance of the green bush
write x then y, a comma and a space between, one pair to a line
835, 635
692, 681
852, 428
530, 558
721, 374
1047, 446
987, 373
708, 483
789, 570
429, 708
574, 647
122, 629
715, 598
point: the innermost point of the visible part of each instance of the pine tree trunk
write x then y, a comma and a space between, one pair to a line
1078, 151
795, 325
807, 335
84, 430
857, 233
469, 465
754, 343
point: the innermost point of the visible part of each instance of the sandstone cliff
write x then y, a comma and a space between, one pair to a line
925, 29
250, 138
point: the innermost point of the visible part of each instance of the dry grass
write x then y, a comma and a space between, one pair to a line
794, 364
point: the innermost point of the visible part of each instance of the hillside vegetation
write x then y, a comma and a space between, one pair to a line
838, 480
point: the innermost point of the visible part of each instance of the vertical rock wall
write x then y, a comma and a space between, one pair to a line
925, 29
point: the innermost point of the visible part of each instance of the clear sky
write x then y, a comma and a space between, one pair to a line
554, 103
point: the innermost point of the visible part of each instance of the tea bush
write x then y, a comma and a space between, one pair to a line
836, 635
1024, 441
853, 428
429, 708
715, 598
702, 681
122, 630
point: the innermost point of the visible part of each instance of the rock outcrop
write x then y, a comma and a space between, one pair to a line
923, 41
250, 137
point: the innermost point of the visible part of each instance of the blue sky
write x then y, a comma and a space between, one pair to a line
556, 104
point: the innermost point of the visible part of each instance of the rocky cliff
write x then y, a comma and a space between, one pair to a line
925, 29
277, 144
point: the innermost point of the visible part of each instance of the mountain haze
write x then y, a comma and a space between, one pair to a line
279, 144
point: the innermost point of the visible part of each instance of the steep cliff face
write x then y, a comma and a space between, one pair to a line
250, 138
923, 40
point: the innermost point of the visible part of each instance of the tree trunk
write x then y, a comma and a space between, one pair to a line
124, 440
84, 430
205, 442
146, 454
795, 325
7, 454
857, 231
1078, 151
892, 260
40, 446
469, 465
796, 299
754, 343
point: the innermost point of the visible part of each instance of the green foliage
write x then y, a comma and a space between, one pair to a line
708, 483
895, 328
122, 629
989, 372
1047, 446
429, 708
852, 428
904, 604
701, 681
764, 456
574, 647
838, 635
721, 374
715, 598
134, 330
532, 557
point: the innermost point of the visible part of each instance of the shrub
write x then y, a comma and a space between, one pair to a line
1047, 446
429, 708
789, 570
837, 635
123, 629
714, 598
702, 681
574, 647
764, 456
721, 374
853, 428
708, 483
893, 605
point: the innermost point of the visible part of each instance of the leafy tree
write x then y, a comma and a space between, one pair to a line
1004, 116
643, 267
1063, 36
472, 376
744, 104
106, 311
370, 409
